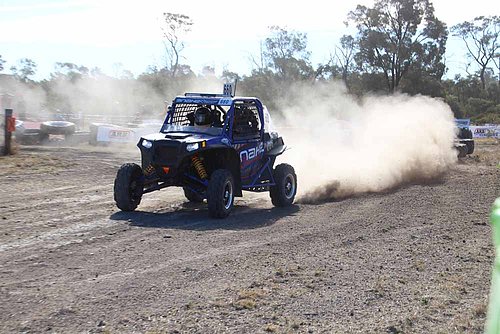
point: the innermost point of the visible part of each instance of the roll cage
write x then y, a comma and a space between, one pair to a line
240, 116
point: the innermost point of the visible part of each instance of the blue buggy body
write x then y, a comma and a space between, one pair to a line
233, 150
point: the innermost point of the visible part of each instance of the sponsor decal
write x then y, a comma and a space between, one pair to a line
486, 131
119, 133
115, 134
251, 153
196, 100
225, 102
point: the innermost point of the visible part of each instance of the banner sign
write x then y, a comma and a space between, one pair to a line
115, 134
109, 133
485, 131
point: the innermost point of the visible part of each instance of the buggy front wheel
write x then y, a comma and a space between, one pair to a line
128, 187
220, 193
285, 188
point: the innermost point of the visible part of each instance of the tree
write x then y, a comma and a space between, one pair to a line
398, 35
24, 70
229, 76
121, 72
496, 61
175, 26
259, 63
344, 56
185, 71
1, 63
481, 39
208, 71
70, 71
286, 53
96, 72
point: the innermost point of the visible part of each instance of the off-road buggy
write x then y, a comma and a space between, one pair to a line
464, 137
214, 146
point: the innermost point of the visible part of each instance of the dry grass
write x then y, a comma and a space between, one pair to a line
247, 298
251, 293
218, 303
487, 141
479, 311
487, 151
271, 328
419, 265
245, 304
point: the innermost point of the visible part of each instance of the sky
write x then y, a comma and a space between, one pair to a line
116, 35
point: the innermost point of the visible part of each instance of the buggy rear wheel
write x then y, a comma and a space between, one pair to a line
220, 193
283, 193
128, 187
470, 146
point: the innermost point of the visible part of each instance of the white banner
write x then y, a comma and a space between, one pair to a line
485, 131
110, 133
115, 134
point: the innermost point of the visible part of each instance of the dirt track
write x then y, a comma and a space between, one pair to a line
416, 260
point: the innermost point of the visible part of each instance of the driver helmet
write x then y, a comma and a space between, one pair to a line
202, 116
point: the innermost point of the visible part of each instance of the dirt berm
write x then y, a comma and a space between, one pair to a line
414, 260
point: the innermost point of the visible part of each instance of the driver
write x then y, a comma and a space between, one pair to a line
203, 117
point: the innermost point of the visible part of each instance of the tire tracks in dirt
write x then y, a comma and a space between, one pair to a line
413, 259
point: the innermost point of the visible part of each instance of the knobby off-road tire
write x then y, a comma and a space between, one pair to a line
470, 146
283, 193
220, 193
461, 151
58, 128
192, 196
128, 187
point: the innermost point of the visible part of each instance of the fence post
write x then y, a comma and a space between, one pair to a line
493, 319
8, 132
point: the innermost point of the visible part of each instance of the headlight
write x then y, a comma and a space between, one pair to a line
147, 144
192, 147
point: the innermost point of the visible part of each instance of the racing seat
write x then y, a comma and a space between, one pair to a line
245, 124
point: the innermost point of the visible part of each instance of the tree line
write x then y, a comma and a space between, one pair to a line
399, 46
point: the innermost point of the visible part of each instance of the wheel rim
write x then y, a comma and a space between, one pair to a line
289, 186
228, 195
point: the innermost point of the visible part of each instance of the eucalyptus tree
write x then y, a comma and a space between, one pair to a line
24, 69
175, 26
396, 36
285, 52
344, 56
481, 38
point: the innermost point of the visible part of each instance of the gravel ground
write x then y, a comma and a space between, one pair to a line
414, 260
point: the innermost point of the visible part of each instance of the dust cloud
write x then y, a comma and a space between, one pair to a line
342, 146
99, 98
